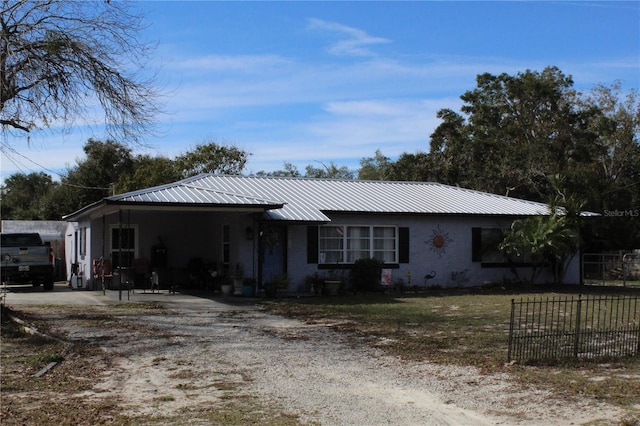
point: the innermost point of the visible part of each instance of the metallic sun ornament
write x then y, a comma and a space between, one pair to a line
439, 241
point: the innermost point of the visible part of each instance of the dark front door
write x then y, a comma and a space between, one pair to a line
274, 251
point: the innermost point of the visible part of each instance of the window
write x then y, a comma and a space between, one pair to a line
486, 242
82, 236
346, 244
123, 246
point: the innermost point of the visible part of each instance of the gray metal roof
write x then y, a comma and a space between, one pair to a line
185, 192
303, 199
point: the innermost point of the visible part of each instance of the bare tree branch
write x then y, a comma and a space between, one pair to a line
61, 61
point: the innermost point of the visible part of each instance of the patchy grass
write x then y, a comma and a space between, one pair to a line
463, 329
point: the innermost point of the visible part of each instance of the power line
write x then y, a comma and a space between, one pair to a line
6, 148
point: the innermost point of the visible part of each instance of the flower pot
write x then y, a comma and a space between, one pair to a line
247, 291
332, 287
237, 286
226, 288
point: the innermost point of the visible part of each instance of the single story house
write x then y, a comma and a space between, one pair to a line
263, 227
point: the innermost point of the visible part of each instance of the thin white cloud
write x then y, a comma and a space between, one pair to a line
351, 130
234, 63
355, 43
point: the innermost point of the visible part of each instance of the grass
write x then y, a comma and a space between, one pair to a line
460, 328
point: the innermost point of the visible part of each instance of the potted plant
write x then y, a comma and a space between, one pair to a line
275, 284
313, 283
237, 277
248, 287
226, 285
332, 283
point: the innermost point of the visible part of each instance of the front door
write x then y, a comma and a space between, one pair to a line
274, 251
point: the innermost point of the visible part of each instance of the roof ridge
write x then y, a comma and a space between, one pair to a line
233, 194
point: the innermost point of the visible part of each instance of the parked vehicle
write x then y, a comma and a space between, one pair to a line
25, 258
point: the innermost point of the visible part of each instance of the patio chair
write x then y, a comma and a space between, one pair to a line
101, 271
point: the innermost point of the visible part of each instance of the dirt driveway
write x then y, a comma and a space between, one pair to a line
179, 359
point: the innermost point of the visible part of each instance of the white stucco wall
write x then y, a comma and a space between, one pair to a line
199, 234
452, 263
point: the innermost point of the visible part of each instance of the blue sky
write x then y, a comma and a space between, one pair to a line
321, 82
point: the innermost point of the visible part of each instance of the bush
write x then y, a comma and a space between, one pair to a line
366, 274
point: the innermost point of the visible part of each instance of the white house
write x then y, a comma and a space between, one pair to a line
268, 226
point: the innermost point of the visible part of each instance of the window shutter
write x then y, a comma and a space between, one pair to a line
312, 244
476, 244
403, 245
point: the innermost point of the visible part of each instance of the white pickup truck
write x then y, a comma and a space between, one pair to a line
25, 258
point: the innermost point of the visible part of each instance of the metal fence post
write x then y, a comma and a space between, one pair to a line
513, 308
576, 342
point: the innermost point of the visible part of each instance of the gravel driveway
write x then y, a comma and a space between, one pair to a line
181, 357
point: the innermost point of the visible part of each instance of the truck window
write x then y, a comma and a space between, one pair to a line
20, 240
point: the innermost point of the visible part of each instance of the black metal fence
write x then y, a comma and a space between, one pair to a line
574, 327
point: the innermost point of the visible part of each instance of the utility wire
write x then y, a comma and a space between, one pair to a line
7, 149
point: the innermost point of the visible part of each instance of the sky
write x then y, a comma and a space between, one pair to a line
314, 83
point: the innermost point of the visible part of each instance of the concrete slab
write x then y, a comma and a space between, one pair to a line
62, 294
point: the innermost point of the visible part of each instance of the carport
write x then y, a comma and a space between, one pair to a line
171, 236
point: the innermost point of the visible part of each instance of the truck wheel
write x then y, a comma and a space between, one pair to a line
48, 282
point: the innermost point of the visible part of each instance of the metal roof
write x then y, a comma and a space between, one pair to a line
308, 200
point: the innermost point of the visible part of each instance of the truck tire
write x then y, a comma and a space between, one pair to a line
48, 282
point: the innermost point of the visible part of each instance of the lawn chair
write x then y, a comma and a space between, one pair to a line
101, 271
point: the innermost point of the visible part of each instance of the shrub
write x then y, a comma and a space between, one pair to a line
365, 275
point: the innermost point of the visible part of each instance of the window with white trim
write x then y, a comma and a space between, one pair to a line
347, 243
124, 243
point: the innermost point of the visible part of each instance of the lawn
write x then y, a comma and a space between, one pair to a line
464, 328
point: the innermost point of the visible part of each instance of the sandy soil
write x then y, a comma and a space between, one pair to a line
167, 360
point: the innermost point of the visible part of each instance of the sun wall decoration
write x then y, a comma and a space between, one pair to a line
439, 241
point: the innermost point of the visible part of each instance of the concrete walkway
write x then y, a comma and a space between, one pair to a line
62, 294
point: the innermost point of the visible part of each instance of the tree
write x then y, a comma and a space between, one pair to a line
377, 167
108, 168
22, 196
551, 240
543, 240
148, 171
60, 59
330, 171
516, 132
412, 168
290, 170
98, 173
211, 158
617, 154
